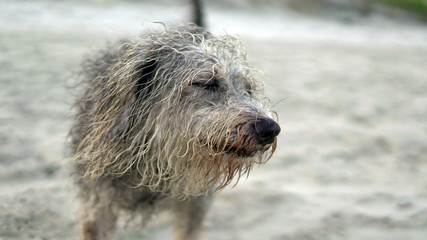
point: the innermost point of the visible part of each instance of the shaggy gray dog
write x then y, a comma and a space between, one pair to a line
164, 121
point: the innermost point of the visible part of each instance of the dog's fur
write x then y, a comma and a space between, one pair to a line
166, 119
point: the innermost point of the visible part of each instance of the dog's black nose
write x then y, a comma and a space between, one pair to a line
266, 130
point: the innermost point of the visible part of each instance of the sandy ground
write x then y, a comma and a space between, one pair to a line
350, 93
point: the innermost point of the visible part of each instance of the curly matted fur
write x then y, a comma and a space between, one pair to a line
173, 115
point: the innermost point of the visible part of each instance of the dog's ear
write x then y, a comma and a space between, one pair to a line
142, 91
146, 83
121, 124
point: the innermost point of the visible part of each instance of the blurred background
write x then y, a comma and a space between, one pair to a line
348, 79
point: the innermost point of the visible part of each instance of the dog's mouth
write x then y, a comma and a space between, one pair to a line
245, 153
234, 151
242, 151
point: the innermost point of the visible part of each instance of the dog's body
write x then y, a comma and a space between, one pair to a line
166, 120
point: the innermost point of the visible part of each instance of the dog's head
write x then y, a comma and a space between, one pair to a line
185, 107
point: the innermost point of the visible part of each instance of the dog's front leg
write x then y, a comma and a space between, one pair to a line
190, 216
100, 225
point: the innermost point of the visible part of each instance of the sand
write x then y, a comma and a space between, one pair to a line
350, 93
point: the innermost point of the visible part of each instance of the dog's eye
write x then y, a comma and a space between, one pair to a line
211, 85
249, 90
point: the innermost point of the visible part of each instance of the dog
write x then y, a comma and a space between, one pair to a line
164, 121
